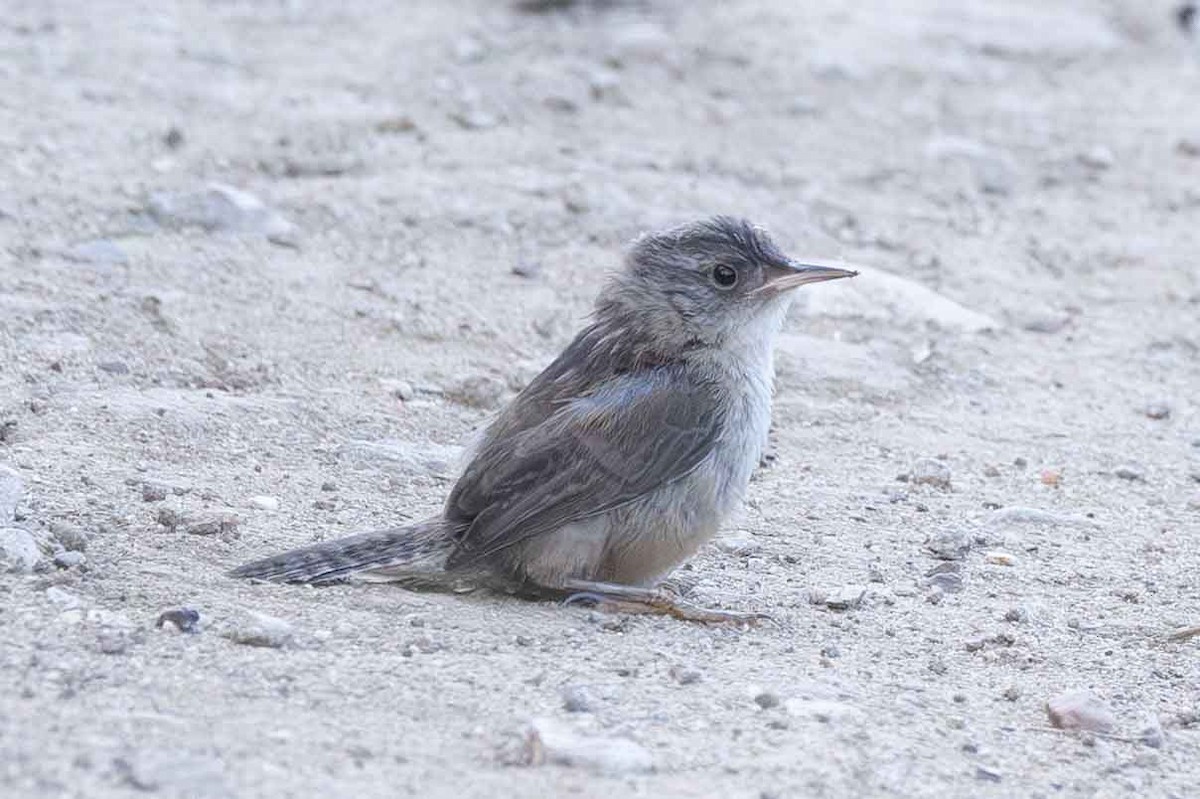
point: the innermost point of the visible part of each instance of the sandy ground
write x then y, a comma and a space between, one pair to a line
191, 377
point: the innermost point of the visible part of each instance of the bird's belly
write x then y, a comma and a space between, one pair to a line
640, 542
649, 538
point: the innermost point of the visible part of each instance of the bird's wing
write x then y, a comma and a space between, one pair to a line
597, 452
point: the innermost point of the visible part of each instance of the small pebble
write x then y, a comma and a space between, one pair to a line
269, 504
946, 582
259, 629
1098, 157
685, 675
113, 367
527, 269
154, 492
185, 620
72, 538
1080, 710
766, 700
949, 544
1131, 473
100, 251
400, 389
846, 597
931, 472
1157, 410
550, 741
576, 699
985, 774
998, 558
69, 560
218, 207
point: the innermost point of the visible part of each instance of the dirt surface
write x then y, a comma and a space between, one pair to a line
415, 204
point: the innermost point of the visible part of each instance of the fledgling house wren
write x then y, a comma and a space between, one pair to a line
626, 454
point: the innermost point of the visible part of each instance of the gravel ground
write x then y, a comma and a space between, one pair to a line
264, 266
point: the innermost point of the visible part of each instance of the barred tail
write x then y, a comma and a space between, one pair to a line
416, 549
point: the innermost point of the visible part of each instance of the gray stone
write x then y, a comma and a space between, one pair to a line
11, 489
258, 629
946, 582
69, 560
846, 597
949, 544
577, 699
685, 675
154, 492
766, 700
72, 538
550, 741
1133, 474
19, 550
1080, 710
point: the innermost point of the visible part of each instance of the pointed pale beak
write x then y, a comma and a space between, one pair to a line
795, 274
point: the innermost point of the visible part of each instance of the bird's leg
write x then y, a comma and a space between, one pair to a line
636, 599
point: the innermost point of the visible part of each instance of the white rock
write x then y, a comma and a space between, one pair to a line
1080, 710
19, 550
846, 597
100, 251
740, 544
259, 629
63, 598
218, 207
11, 489
269, 504
1016, 514
408, 456
877, 294
550, 741
824, 710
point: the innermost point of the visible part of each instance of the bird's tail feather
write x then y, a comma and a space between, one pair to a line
392, 553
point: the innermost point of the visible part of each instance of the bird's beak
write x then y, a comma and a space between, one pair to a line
794, 274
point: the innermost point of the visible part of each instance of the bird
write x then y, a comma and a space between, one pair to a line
622, 458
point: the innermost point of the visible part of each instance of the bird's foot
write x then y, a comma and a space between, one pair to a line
615, 598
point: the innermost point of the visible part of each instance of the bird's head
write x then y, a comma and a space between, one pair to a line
706, 283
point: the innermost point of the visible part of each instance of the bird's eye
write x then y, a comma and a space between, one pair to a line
724, 277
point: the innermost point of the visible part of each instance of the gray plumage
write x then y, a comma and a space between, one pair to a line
625, 455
